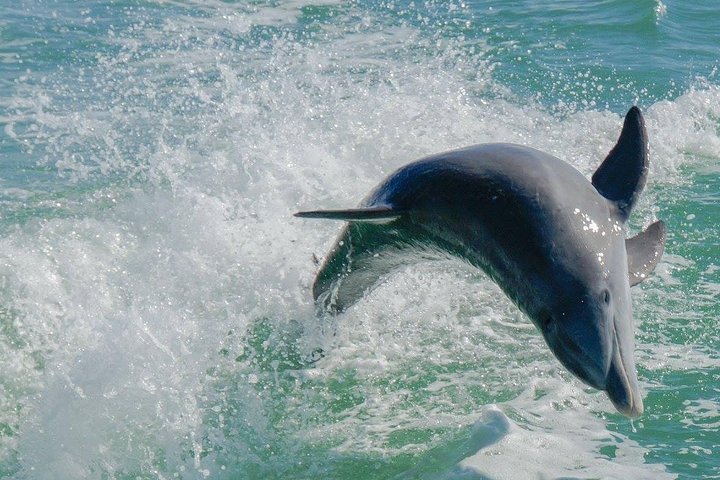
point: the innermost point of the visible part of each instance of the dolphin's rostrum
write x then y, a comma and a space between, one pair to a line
554, 242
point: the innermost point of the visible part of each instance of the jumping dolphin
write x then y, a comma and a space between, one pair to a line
554, 243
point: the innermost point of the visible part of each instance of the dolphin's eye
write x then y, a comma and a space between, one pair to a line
606, 297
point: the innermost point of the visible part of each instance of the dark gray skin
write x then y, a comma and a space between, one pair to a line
554, 243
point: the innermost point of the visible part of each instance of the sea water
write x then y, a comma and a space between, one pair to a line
156, 318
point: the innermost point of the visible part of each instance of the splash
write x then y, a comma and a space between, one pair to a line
155, 309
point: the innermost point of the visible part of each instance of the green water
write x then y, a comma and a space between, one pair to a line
156, 318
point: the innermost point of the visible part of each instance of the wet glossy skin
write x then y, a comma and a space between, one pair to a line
535, 225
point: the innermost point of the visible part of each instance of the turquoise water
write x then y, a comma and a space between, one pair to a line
155, 309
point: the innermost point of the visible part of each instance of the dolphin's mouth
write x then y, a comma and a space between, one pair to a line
585, 366
621, 383
611, 368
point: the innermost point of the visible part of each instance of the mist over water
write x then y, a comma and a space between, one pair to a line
156, 318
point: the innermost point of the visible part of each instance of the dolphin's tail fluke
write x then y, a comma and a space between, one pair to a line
381, 213
366, 250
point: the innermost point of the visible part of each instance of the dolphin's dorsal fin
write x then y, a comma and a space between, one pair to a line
378, 213
622, 175
644, 251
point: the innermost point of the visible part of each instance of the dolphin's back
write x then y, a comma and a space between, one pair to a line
463, 203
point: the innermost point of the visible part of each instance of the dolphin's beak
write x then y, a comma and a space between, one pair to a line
586, 352
601, 354
603, 359
622, 384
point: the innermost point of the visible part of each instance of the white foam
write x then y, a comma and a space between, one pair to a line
554, 451
161, 327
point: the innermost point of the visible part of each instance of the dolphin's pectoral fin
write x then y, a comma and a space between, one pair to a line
622, 175
377, 213
644, 251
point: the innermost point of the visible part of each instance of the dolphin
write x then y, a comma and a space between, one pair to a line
553, 241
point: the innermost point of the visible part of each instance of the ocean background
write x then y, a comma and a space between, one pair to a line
156, 318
